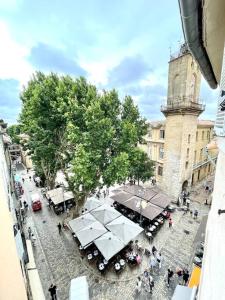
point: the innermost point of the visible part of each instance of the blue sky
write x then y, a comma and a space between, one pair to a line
115, 44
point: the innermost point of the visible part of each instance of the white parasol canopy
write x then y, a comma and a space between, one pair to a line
88, 234
109, 245
81, 222
105, 213
92, 203
124, 229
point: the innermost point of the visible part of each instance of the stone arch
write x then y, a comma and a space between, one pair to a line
184, 185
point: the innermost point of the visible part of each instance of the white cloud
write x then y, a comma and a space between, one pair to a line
13, 57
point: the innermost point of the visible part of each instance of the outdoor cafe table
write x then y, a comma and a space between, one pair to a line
90, 256
122, 262
156, 224
105, 262
95, 253
149, 234
101, 267
117, 266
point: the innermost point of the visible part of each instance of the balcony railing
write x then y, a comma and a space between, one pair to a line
184, 102
202, 163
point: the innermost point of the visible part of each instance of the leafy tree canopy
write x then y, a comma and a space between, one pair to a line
14, 131
70, 123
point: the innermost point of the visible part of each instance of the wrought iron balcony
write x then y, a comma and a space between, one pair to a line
182, 105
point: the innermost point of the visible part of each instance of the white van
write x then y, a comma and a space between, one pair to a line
79, 289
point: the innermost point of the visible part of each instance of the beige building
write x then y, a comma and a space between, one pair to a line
178, 144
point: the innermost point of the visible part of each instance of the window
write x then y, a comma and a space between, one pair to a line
160, 170
161, 152
208, 135
196, 136
162, 134
189, 138
186, 165
201, 152
203, 135
187, 153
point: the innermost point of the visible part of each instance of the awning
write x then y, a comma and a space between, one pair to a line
81, 222
90, 233
195, 277
124, 229
92, 203
161, 200
184, 293
151, 211
79, 289
109, 245
121, 197
57, 196
105, 213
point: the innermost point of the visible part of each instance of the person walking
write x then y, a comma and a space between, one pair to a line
29, 232
33, 239
169, 276
30, 178
179, 273
154, 250
185, 277
188, 203
152, 263
159, 260
52, 290
138, 285
170, 222
196, 214
23, 180
59, 227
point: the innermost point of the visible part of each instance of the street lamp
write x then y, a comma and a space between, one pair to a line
141, 204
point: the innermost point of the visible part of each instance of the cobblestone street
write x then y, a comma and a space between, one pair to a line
58, 258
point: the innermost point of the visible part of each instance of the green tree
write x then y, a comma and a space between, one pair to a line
14, 131
141, 166
89, 135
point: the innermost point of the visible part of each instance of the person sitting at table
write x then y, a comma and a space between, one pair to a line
138, 259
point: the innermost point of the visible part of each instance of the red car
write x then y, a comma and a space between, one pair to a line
36, 202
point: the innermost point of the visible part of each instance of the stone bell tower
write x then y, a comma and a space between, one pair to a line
181, 111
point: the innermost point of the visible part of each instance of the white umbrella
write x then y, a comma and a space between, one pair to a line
92, 203
81, 222
124, 229
105, 213
109, 245
90, 233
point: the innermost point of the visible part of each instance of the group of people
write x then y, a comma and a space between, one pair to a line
182, 276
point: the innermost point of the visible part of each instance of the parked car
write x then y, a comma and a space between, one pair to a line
36, 202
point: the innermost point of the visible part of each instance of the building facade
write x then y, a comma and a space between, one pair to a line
178, 144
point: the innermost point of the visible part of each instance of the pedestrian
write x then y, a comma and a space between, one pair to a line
185, 277
29, 232
179, 273
154, 250
30, 178
59, 227
138, 285
169, 276
191, 213
23, 180
206, 201
159, 260
151, 283
184, 200
52, 290
170, 222
196, 214
104, 193
67, 212
153, 262
188, 202
27, 170
33, 239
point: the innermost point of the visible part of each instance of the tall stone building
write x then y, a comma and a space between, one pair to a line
181, 112
177, 144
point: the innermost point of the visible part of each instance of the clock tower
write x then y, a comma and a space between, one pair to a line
181, 111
